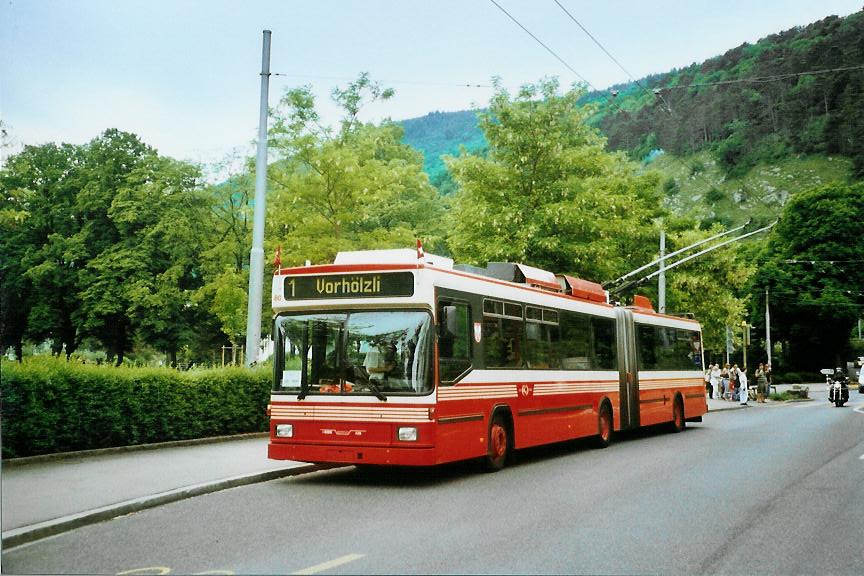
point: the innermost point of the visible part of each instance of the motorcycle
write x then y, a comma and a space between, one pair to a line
838, 386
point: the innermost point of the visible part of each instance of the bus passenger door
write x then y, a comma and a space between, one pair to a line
628, 372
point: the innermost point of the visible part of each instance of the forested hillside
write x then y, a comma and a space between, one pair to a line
740, 132
442, 133
799, 91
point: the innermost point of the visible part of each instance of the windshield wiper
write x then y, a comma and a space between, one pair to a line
376, 390
361, 376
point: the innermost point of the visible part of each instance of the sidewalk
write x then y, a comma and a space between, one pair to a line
715, 404
45, 497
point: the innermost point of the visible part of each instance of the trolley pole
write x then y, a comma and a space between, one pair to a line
256, 255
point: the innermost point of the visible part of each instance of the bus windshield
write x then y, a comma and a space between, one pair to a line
367, 353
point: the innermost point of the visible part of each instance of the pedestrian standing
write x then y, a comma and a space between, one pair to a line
708, 386
761, 383
724, 382
742, 384
716, 381
733, 382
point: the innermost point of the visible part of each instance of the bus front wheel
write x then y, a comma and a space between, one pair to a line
498, 447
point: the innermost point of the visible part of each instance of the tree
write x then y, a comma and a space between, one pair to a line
548, 194
109, 160
812, 267
39, 273
354, 187
161, 216
104, 241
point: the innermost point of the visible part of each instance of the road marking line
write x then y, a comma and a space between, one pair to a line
331, 564
860, 409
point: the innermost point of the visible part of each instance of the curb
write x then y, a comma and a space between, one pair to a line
27, 534
771, 404
25, 460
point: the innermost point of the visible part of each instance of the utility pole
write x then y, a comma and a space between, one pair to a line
729, 348
661, 279
256, 255
767, 326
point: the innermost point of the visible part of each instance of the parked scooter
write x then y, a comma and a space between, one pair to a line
838, 386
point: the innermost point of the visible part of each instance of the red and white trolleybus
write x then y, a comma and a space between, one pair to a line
397, 357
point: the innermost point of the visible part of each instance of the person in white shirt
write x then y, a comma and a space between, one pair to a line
715, 380
742, 383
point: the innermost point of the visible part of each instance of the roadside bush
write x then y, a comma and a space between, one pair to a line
796, 393
50, 405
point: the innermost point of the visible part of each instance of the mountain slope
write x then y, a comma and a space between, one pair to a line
741, 131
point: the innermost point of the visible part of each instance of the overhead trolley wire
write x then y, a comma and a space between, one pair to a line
536, 39
611, 57
553, 53
597, 42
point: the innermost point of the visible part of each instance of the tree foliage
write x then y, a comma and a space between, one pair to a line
37, 272
104, 242
812, 267
548, 193
357, 186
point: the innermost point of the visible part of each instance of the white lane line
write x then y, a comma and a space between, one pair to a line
860, 409
331, 564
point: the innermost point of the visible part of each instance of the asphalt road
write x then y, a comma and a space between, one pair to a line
763, 490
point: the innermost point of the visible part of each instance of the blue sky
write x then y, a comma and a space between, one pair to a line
183, 74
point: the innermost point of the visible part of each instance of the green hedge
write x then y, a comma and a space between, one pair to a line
51, 406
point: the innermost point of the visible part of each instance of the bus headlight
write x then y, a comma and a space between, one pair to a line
407, 434
284, 430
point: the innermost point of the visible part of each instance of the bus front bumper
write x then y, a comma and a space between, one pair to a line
318, 453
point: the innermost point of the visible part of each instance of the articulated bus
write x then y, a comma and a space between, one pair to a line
396, 357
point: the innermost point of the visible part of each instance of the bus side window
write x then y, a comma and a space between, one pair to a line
503, 328
646, 344
454, 341
605, 354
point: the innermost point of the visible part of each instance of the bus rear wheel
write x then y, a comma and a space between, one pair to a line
498, 447
605, 427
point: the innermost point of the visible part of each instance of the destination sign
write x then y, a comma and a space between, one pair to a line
349, 286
